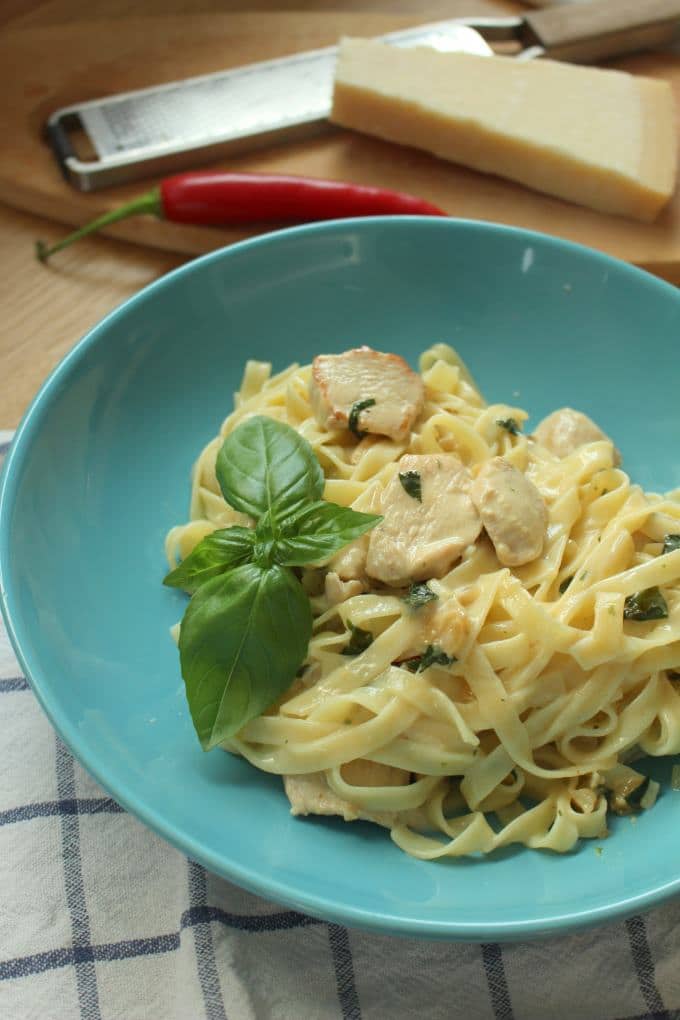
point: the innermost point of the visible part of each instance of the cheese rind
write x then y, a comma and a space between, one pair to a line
604, 139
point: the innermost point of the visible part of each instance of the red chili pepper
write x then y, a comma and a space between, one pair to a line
219, 198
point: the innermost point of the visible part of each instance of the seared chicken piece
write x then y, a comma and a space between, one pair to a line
421, 538
393, 394
512, 511
309, 794
565, 430
350, 563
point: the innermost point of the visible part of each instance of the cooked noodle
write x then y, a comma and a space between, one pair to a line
523, 738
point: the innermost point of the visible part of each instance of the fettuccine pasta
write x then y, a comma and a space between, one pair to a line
542, 681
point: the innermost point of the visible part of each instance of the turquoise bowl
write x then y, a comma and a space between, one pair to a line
100, 468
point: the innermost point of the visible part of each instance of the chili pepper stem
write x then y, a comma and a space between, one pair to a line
150, 202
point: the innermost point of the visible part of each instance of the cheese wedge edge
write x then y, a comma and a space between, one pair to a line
603, 139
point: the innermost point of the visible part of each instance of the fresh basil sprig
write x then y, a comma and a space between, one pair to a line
265, 467
319, 531
214, 554
246, 629
242, 638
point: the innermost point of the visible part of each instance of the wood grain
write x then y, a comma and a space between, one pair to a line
53, 56
42, 68
45, 310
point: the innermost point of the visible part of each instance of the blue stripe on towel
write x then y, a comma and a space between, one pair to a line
13, 683
203, 943
636, 929
67, 806
492, 957
344, 972
86, 975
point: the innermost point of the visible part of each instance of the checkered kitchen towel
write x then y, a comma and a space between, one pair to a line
101, 919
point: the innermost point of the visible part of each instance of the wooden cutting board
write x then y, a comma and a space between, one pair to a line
44, 68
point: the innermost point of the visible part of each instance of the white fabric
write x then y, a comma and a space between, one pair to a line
101, 919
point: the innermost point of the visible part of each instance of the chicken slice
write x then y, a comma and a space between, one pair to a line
512, 511
422, 538
350, 563
341, 382
563, 431
309, 794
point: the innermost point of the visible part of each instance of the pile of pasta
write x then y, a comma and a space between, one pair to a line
529, 735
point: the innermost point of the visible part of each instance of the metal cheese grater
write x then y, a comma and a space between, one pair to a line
187, 123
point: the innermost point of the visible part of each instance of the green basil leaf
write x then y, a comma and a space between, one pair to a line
266, 467
645, 605
432, 656
214, 554
564, 584
355, 411
411, 484
319, 531
419, 594
670, 544
510, 425
242, 638
359, 641
265, 542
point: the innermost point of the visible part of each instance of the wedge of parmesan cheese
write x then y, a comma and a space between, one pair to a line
604, 139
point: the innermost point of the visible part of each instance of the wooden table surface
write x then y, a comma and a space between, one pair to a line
46, 309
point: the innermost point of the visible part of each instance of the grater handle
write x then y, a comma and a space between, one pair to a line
603, 28
183, 124
58, 138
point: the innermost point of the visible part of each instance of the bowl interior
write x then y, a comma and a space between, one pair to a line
100, 471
